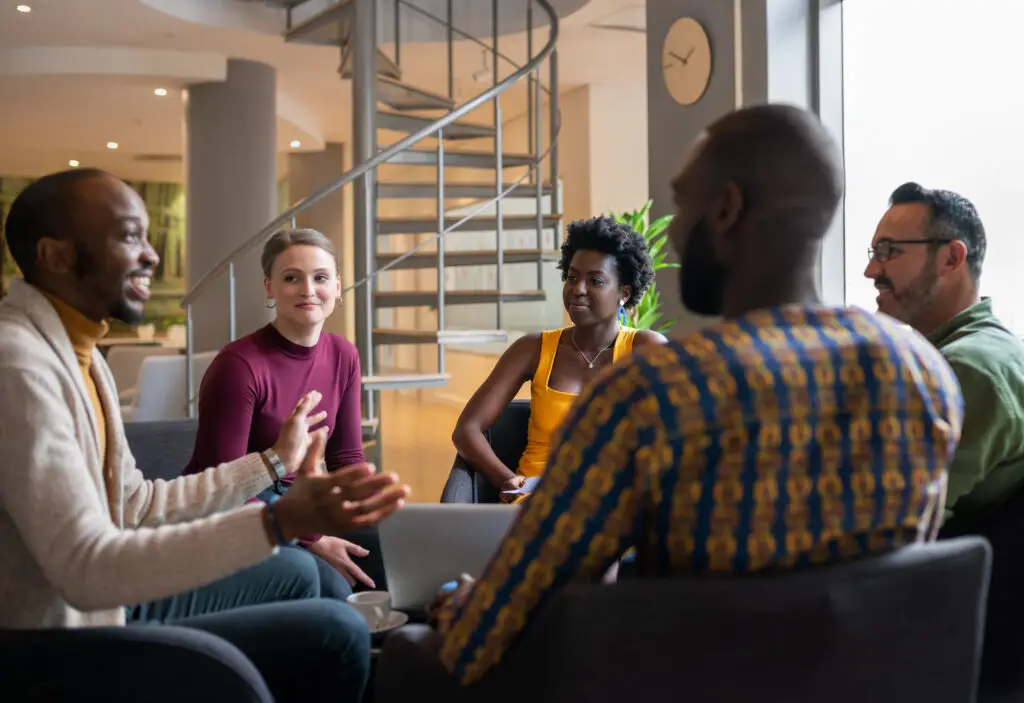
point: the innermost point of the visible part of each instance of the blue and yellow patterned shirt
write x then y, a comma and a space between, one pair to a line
789, 436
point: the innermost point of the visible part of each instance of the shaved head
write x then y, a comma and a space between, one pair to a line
782, 159
758, 191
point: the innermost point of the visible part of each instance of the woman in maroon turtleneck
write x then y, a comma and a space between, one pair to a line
255, 382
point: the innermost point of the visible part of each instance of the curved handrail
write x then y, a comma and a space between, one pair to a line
465, 218
381, 157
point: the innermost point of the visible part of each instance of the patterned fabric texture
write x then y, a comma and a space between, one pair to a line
792, 436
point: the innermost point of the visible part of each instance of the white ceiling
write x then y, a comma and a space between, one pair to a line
75, 74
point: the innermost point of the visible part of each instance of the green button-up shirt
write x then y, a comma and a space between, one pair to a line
988, 360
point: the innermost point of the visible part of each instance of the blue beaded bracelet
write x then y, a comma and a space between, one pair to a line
275, 526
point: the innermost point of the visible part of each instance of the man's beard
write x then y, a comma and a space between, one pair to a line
94, 282
123, 311
701, 277
915, 297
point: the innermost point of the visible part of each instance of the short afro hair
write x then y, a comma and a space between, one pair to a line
618, 240
45, 208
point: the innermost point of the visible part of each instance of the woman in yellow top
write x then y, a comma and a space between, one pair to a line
606, 269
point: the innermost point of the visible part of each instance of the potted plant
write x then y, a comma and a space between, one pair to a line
647, 312
146, 331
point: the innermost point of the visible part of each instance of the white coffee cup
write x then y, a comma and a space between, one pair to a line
374, 606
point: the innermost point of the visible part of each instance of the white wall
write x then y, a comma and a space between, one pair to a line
618, 146
933, 94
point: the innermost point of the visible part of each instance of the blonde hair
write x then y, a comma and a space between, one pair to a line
288, 238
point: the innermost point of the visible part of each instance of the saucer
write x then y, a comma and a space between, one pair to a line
395, 619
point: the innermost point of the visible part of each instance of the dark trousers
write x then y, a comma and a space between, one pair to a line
306, 648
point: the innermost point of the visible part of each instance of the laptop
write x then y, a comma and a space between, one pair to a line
424, 545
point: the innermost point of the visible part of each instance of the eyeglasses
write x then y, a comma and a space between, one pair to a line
886, 249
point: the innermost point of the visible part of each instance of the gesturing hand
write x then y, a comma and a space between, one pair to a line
336, 503
338, 553
293, 440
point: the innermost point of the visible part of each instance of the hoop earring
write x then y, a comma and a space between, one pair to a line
623, 318
271, 303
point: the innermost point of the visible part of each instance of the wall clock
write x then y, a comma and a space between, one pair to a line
686, 61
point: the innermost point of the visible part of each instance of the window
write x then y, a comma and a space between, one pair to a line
933, 94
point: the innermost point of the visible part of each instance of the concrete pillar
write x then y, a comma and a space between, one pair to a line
230, 182
762, 51
364, 146
308, 172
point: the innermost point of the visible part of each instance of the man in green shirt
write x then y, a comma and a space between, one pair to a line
925, 260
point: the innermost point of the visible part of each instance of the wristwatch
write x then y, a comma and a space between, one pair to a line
274, 464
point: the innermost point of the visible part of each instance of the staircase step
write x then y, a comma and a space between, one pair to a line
428, 298
481, 257
412, 380
457, 190
332, 27
418, 225
387, 335
407, 124
399, 96
385, 67
465, 159
369, 427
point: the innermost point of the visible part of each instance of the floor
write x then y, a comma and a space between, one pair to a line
417, 443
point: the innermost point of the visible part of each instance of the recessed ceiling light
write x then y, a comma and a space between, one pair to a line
23, 8
295, 144
112, 145
160, 91
74, 163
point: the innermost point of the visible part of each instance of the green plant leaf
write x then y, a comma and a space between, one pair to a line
658, 226
647, 312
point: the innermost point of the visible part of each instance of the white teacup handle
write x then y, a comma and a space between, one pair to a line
378, 614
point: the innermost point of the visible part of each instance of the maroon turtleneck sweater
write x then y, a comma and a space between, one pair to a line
253, 385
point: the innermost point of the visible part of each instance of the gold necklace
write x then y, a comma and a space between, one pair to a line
591, 362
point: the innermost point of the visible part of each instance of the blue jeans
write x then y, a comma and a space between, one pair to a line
333, 584
306, 648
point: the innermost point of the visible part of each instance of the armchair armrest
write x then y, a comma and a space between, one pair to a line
461, 484
91, 663
409, 668
508, 438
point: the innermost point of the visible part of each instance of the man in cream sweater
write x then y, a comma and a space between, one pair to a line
82, 533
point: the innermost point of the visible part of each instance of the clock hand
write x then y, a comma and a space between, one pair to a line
689, 54
677, 56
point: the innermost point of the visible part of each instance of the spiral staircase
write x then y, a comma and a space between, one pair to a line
467, 272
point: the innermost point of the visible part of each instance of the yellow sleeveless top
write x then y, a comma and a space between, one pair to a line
549, 407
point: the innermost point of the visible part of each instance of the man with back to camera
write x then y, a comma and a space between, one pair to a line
82, 533
777, 409
925, 259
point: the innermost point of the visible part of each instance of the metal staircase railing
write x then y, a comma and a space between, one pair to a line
335, 25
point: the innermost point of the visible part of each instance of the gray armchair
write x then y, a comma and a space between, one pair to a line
508, 440
1002, 662
162, 448
87, 663
906, 626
